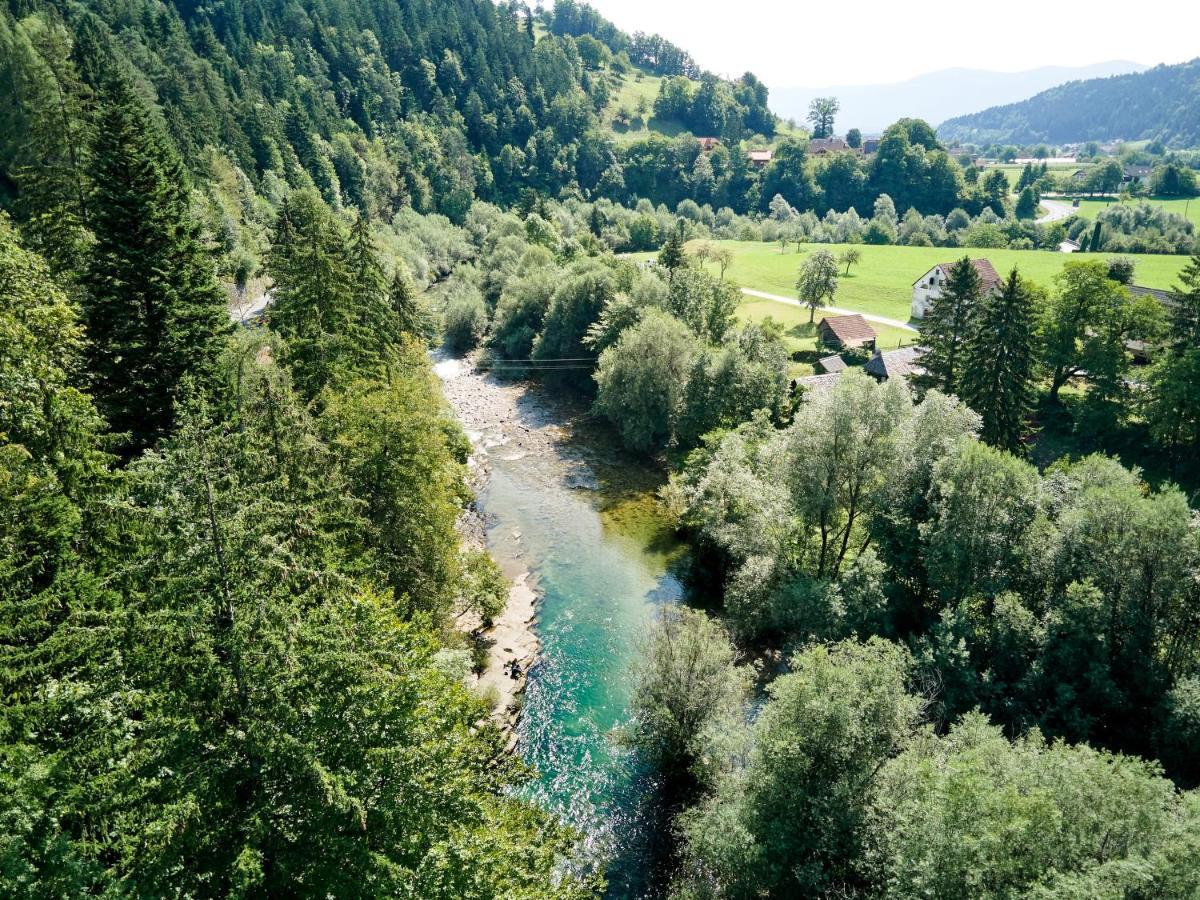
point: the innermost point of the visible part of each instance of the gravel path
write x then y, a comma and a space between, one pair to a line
1056, 211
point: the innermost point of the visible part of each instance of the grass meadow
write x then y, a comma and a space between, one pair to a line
881, 282
1091, 206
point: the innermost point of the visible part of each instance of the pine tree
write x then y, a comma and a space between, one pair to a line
947, 325
1001, 354
51, 177
411, 316
154, 311
671, 257
315, 308
373, 324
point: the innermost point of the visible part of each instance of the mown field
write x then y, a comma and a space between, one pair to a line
801, 337
1090, 207
1013, 172
881, 283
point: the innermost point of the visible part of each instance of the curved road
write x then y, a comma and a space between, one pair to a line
835, 310
1056, 211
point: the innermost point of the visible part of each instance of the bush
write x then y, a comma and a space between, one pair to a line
465, 320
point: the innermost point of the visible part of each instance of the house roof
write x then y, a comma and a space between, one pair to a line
760, 155
1163, 297
895, 363
707, 143
832, 364
822, 145
849, 329
987, 273
815, 385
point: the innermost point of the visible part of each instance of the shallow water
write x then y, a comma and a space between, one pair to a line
602, 560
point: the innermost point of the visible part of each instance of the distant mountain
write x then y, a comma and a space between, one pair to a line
936, 96
1162, 103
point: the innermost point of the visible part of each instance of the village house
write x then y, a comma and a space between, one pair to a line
846, 332
870, 145
760, 158
822, 146
1136, 175
929, 286
708, 143
900, 363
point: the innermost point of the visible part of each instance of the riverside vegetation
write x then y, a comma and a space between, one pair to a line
228, 558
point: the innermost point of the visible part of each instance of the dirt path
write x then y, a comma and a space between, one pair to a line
1056, 211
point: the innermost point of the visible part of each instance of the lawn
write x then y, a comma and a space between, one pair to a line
1012, 171
1091, 206
801, 337
881, 283
634, 86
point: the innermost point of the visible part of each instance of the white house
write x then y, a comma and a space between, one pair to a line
929, 286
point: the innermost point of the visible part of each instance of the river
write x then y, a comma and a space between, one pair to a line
565, 507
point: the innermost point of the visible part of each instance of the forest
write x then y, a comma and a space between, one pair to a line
1158, 104
231, 564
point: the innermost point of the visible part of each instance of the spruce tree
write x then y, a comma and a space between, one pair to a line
947, 326
51, 174
411, 317
155, 313
671, 257
315, 308
999, 365
372, 323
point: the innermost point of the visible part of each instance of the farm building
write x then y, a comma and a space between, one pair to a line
846, 332
831, 365
929, 286
870, 145
760, 158
900, 363
708, 143
821, 146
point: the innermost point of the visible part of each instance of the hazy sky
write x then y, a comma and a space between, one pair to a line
797, 43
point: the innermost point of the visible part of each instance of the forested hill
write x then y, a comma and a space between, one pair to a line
378, 103
1160, 104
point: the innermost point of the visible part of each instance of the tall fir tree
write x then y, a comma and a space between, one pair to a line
411, 317
947, 325
51, 177
1173, 402
373, 321
1001, 361
316, 299
154, 310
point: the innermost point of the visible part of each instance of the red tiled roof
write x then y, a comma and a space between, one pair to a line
987, 272
851, 331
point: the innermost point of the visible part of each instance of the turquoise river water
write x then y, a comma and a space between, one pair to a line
602, 561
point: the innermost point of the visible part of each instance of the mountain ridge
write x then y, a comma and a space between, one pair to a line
940, 95
1162, 103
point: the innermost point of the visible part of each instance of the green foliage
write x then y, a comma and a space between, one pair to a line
789, 823
686, 687
948, 324
998, 379
155, 314
392, 441
642, 378
818, 281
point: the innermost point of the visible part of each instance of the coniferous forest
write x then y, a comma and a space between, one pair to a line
231, 552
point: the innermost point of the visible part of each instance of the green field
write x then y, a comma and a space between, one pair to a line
881, 283
1013, 172
801, 337
1090, 207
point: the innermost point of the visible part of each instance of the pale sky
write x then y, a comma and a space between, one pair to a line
790, 43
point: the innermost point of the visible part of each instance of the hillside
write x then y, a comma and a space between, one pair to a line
1162, 103
937, 96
